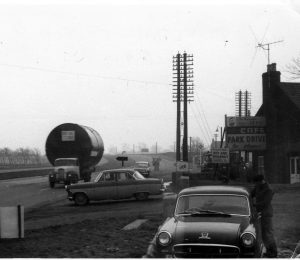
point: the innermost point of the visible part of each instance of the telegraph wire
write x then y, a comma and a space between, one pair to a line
203, 123
202, 109
200, 126
82, 74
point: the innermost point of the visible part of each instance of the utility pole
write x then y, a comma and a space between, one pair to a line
242, 103
183, 93
177, 96
185, 157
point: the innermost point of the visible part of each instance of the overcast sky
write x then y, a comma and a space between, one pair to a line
108, 65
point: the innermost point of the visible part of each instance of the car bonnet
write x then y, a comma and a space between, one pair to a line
216, 230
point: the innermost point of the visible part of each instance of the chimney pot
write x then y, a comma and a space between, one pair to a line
271, 67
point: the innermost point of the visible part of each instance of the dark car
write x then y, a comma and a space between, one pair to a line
114, 185
210, 222
143, 168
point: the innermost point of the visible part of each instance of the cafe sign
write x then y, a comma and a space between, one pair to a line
246, 138
247, 121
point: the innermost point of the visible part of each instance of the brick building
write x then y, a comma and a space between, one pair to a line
280, 162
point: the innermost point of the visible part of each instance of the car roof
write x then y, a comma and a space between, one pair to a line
141, 162
215, 189
119, 170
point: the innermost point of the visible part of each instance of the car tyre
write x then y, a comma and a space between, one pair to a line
141, 196
52, 184
81, 199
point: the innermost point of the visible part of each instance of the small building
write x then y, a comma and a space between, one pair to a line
280, 161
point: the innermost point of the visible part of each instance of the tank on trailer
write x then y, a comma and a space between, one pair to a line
73, 145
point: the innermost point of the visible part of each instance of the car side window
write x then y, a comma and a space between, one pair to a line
109, 176
124, 176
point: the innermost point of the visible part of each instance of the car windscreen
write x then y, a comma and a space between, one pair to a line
65, 162
138, 176
98, 177
225, 203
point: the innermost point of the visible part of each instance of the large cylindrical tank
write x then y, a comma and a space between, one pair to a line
75, 141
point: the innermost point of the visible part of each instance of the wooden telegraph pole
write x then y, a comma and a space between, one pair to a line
184, 90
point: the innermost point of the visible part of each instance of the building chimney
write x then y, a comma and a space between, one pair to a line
271, 81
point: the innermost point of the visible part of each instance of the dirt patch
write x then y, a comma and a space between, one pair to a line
101, 238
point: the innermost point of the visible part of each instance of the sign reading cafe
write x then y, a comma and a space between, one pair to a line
247, 134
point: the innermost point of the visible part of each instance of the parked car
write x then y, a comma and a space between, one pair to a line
210, 222
143, 168
114, 185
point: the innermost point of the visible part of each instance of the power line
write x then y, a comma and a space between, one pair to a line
82, 74
200, 126
203, 123
202, 109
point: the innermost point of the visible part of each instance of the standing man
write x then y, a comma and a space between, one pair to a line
263, 196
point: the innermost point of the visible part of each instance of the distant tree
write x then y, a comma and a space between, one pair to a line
37, 156
21, 156
196, 144
293, 68
154, 147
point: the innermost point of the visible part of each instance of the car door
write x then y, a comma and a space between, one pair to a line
106, 187
126, 185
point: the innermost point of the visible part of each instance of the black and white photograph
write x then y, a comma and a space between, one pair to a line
149, 129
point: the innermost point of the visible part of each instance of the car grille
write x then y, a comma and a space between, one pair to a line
205, 251
61, 174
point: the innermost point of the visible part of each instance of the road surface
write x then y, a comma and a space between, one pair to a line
29, 192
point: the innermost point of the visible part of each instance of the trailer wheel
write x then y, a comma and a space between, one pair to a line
51, 184
141, 196
81, 199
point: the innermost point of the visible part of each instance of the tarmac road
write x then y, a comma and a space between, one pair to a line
29, 192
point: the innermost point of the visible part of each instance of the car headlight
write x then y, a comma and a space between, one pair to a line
248, 239
164, 238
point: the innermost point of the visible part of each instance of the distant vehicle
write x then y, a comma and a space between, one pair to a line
210, 222
145, 150
73, 150
114, 185
143, 168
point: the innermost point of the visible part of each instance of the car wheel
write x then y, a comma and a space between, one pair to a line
81, 199
52, 184
141, 196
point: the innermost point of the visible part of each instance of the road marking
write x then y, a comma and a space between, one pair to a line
135, 224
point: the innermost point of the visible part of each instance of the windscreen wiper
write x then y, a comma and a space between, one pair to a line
197, 212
